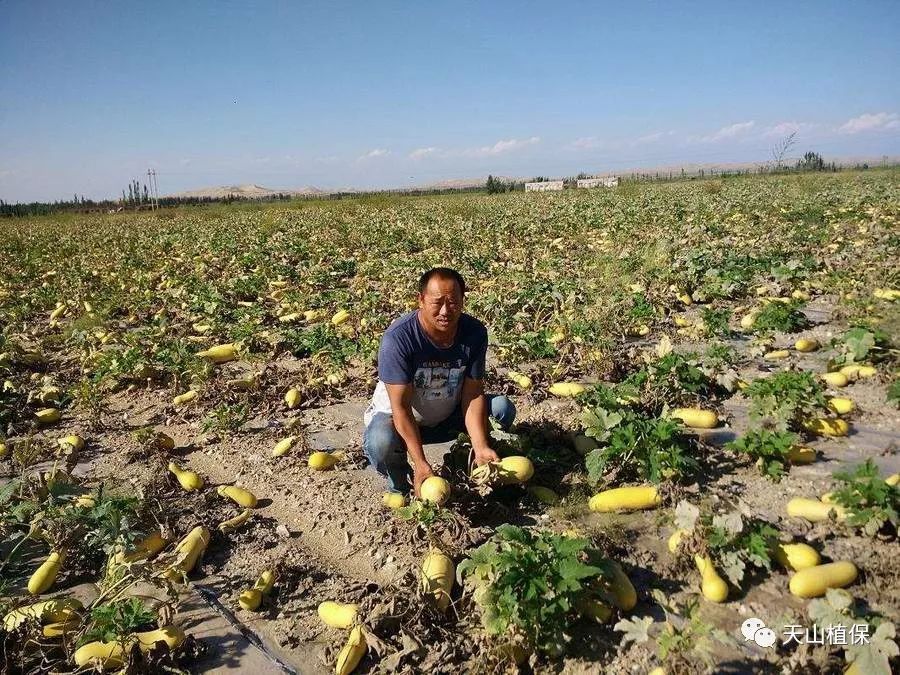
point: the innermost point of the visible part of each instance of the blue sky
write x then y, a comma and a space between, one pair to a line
377, 94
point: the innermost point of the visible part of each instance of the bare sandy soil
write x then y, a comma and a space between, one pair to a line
329, 538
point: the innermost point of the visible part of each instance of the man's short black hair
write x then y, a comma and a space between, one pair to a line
442, 273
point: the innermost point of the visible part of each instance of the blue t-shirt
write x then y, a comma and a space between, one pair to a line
407, 355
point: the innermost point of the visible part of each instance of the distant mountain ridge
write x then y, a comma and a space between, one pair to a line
249, 191
253, 191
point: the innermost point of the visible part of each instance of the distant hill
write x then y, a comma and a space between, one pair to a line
463, 183
249, 191
253, 191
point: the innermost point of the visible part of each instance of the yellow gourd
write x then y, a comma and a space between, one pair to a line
245, 383
776, 354
566, 389
799, 455
393, 500
437, 578
850, 371
713, 587
749, 319
841, 406
434, 489
823, 426
189, 549
234, 523
806, 345
238, 495
813, 510
796, 556
145, 548
188, 480
292, 398
340, 317
515, 469
252, 597
111, 654
76, 443
58, 312
522, 380
282, 447
47, 416
61, 628
675, 540
173, 636
837, 380
623, 592
696, 417
625, 499
186, 397
813, 582
45, 611
220, 353
352, 653
321, 461
45, 575
337, 614
106, 654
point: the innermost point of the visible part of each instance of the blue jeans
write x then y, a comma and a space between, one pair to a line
386, 450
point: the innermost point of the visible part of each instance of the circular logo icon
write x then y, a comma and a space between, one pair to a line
764, 637
750, 626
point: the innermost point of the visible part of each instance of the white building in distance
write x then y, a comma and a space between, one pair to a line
609, 181
544, 186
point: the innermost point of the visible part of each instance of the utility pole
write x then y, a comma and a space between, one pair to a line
154, 188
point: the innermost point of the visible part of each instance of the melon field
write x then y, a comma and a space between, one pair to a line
706, 382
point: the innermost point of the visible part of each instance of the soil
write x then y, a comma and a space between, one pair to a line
329, 538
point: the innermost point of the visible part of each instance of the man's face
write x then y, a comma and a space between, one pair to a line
441, 305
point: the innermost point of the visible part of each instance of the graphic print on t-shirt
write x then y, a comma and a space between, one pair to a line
437, 382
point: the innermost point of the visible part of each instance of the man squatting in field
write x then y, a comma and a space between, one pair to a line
431, 367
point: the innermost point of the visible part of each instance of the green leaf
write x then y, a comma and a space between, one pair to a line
875, 656
635, 630
858, 342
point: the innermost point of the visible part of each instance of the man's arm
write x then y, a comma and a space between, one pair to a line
400, 396
475, 414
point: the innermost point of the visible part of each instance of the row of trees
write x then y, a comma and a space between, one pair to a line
495, 185
135, 196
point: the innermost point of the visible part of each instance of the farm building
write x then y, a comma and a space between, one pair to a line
609, 181
544, 186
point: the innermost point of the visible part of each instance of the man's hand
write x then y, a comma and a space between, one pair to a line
485, 455
421, 471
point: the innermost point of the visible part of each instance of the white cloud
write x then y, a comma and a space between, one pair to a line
871, 122
372, 154
586, 143
501, 147
731, 131
421, 153
784, 129
651, 138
